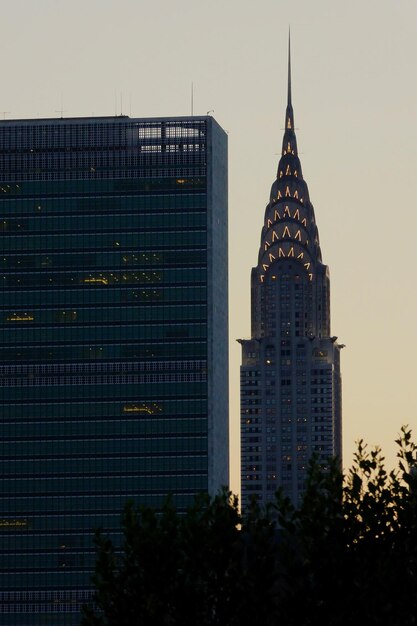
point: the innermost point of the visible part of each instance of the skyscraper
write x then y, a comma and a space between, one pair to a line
290, 373
113, 351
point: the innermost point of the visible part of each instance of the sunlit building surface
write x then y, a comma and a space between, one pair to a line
113, 351
290, 373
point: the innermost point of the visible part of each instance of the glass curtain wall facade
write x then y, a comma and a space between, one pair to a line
290, 373
113, 350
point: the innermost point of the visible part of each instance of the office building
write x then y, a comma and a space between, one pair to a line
290, 373
113, 350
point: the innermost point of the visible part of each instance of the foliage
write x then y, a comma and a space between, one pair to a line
347, 555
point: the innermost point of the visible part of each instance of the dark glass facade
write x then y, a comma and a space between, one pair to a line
113, 350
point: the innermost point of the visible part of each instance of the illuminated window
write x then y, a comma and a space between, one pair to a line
287, 211
288, 171
304, 222
269, 223
142, 407
297, 214
20, 317
298, 235
153, 148
274, 236
125, 277
271, 257
280, 173
286, 232
99, 280
291, 252
265, 267
281, 252
296, 194
277, 215
66, 316
287, 192
279, 195
13, 523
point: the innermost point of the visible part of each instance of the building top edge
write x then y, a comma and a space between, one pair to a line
104, 118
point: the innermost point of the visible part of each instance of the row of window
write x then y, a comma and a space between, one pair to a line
121, 379
44, 595
81, 297
107, 261
102, 204
69, 486
101, 279
40, 608
171, 346
65, 279
41, 413
154, 167
103, 334
76, 393
108, 315
123, 444
118, 182
102, 222
149, 418
81, 522
88, 469
162, 238
115, 157
63, 368
97, 505
107, 131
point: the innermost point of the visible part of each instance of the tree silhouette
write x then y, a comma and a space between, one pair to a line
347, 555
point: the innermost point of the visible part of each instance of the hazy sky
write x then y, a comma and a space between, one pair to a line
355, 104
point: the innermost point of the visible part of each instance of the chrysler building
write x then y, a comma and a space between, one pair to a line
290, 373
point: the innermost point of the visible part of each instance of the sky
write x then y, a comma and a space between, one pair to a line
355, 105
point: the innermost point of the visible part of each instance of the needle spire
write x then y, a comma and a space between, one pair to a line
289, 142
289, 103
289, 115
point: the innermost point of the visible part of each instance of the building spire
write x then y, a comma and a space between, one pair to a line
289, 144
289, 103
289, 150
289, 114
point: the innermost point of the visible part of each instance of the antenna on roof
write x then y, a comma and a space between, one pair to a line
192, 98
61, 110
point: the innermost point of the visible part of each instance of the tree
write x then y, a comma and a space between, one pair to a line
347, 555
